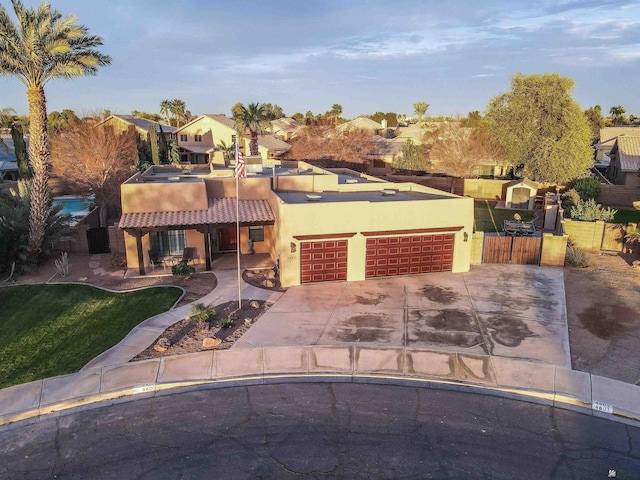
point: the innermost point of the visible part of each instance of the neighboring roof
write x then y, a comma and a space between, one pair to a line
6, 166
271, 142
629, 153
608, 135
384, 146
360, 123
223, 119
142, 123
8, 141
523, 181
286, 124
413, 132
372, 196
220, 211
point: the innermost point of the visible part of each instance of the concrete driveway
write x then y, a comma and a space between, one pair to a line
510, 311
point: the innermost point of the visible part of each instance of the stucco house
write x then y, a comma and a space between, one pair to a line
608, 136
318, 225
121, 123
383, 154
365, 124
624, 168
285, 128
201, 136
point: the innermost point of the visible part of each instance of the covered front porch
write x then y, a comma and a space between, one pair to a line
155, 241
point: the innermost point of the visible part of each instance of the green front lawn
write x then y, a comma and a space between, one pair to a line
489, 219
49, 330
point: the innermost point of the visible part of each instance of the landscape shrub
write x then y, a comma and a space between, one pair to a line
225, 323
577, 257
590, 211
201, 314
588, 188
183, 269
570, 198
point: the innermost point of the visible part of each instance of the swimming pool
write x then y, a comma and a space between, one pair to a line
73, 205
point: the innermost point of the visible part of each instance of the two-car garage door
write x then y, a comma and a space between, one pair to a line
409, 254
386, 256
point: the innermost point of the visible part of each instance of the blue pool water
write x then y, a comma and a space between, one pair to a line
75, 206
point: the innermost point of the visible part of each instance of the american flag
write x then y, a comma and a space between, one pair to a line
240, 171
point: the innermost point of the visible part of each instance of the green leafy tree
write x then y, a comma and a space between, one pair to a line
298, 117
421, 109
20, 148
412, 157
236, 110
253, 118
152, 137
588, 188
390, 117
335, 112
596, 122
173, 152
617, 115
542, 128
42, 45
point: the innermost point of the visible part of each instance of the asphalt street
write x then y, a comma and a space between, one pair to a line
321, 430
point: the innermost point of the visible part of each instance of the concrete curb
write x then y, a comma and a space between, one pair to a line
499, 376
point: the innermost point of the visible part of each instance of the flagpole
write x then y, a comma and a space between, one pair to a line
237, 174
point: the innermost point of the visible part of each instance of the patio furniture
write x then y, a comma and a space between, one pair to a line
189, 255
518, 229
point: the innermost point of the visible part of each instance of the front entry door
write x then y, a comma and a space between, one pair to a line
227, 240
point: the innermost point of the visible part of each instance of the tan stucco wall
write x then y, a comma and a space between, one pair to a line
477, 243
587, 235
163, 196
249, 188
357, 217
554, 249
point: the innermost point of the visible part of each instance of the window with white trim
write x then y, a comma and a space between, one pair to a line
183, 137
197, 138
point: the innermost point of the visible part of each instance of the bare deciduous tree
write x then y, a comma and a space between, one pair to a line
95, 159
323, 143
459, 151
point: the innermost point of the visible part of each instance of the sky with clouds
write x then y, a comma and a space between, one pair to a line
367, 56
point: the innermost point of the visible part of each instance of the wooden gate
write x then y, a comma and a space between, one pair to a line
513, 250
613, 238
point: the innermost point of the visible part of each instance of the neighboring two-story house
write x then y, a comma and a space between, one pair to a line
198, 139
121, 123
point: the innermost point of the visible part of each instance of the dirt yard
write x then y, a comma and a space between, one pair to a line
603, 307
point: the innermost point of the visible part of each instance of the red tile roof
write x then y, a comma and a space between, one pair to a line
221, 210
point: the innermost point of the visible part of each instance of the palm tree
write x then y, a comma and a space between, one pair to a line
228, 151
178, 107
254, 118
40, 46
335, 112
420, 108
165, 109
617, 114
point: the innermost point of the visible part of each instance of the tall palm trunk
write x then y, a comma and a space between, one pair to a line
253, 144
39, 156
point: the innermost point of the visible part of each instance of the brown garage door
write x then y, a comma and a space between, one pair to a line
394, 255
323, 261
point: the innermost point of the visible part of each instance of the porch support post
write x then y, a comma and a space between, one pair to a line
138, 236
207, 248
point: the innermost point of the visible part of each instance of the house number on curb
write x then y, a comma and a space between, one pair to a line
143, 389
602, 407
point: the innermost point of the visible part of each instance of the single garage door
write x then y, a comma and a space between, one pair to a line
404, 255
323, 261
